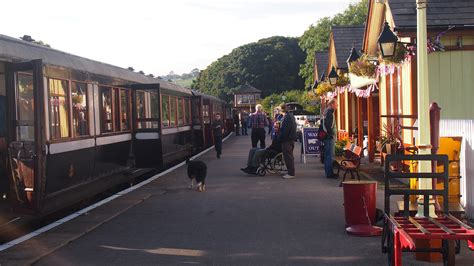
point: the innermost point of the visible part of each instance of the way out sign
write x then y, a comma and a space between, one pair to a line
311, 144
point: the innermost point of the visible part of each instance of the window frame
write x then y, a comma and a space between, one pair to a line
119, 109
208, 114
86, 93
101, 109
180, 115
168, 111
187, 111
175, 120
68, 99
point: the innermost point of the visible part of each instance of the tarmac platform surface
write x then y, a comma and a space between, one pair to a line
239, 220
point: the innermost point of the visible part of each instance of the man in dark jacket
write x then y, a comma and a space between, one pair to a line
329, 126
217, 130
287, 137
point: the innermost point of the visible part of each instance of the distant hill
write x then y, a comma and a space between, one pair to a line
184, 80
271, 65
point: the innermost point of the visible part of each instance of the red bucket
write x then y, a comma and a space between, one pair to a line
359, 207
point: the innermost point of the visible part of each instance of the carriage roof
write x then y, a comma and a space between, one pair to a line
16, 50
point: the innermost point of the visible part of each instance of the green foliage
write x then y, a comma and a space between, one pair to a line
300, 96
270, 65
316, 37
339, 147
186, 83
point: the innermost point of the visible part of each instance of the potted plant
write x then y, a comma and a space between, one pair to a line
339, 147
392, 139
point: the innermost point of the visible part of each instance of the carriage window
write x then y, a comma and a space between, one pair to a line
124, 110
196, 112
148, 109
165, 110
59, 108
205, 114
187, 113
25, 107
79, 108
173, 111
140, 102
180, 111
216, 108
106, 109
154, 109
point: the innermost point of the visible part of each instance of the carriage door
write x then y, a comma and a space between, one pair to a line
197, 124
147, 127
24, 131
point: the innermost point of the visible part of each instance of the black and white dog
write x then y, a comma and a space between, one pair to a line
197, 170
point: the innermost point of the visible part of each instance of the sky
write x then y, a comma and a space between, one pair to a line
160, 36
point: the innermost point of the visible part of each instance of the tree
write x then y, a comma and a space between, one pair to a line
316, 37
299, 96
270, 65
131, 68
141, 72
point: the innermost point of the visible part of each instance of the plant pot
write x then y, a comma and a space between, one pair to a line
391, 148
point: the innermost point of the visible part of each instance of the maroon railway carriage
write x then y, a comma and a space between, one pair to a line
75, 127
205, 108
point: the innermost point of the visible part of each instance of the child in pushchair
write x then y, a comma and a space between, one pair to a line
262, 161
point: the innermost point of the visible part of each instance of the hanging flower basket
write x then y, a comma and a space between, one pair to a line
323, 88
400, 55
342, 81
363, 67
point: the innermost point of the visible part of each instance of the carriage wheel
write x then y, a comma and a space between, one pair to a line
388, 242
390, 248
269, 166
385, 231
278, 164
448, 251
261, 171
458, 246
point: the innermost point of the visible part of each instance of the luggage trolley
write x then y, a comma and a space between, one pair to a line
401, 232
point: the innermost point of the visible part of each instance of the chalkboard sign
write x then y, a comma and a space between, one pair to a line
310, 144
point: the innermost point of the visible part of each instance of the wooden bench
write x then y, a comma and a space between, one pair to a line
350, 161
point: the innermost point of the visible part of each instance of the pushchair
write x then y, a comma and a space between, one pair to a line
272, 162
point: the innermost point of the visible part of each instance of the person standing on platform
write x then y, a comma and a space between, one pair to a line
258, 121
270, 124
329, 125
244, 121
236, 122
217, 129
287, 137
278, 117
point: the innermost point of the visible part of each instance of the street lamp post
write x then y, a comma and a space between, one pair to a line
387, 44
423, 101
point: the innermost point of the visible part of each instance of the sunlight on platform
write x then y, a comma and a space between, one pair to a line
166, 251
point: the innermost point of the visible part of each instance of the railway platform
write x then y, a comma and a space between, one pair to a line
239, 220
